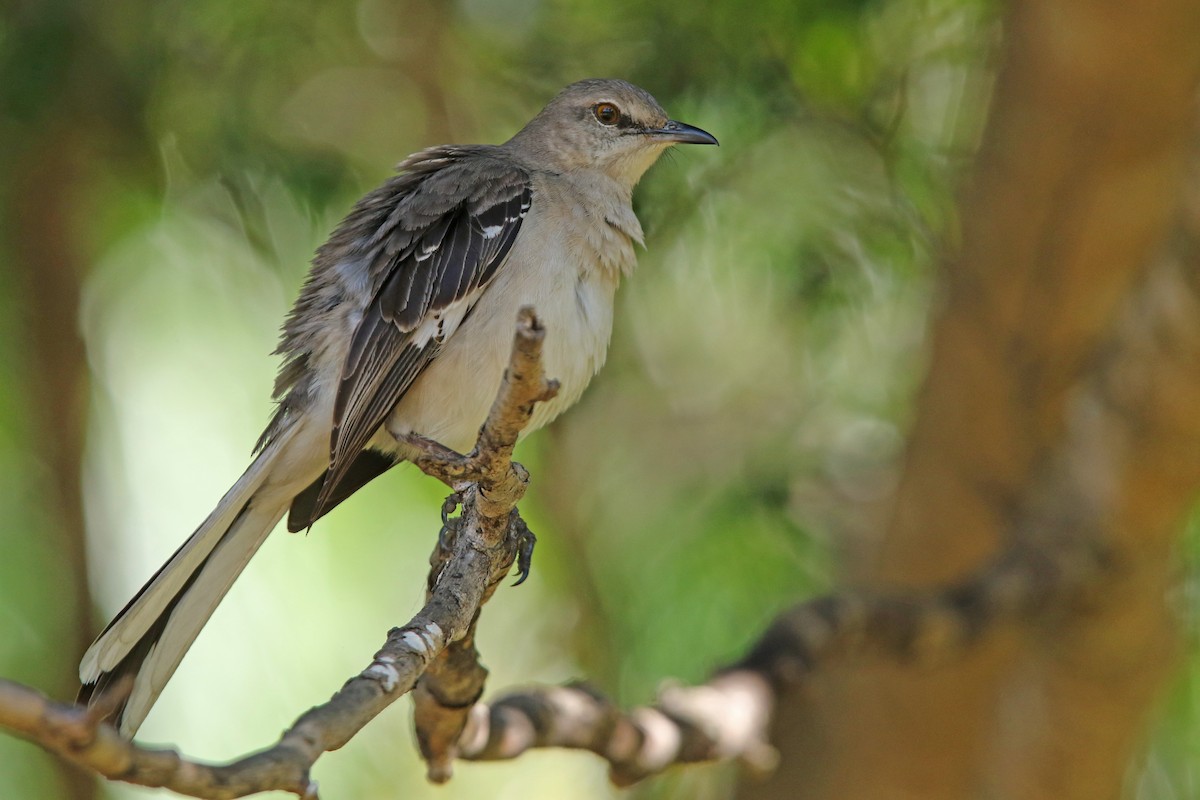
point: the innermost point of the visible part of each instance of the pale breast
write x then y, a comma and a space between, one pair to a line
554, 267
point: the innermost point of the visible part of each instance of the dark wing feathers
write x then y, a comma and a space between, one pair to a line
453, 280
372, 406
366, 467
431, 237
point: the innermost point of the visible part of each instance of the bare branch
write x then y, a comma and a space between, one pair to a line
491, 484
466, 570
724, 719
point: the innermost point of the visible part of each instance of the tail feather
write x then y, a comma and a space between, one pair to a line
149, 637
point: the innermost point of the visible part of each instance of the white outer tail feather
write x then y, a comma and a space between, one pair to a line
220, 549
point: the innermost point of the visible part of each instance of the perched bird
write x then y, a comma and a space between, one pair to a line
404, 325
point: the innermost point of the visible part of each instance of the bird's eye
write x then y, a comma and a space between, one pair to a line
607, 113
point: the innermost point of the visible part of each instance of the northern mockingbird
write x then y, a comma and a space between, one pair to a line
403, 326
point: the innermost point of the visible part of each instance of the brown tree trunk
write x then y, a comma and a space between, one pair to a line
43, 195
1050, 392
63, 134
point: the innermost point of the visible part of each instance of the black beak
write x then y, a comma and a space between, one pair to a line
682, 133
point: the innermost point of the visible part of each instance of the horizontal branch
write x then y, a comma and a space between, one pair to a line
725, 719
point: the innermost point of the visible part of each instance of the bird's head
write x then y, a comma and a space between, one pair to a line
607, 125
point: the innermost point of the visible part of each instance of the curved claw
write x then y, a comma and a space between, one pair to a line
450, 527
449, 506
525, 544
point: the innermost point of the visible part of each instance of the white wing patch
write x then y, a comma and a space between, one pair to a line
439, 326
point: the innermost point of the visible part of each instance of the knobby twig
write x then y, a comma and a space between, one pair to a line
489, 484
467, 569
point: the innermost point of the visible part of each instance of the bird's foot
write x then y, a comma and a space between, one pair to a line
451, 526
524, 540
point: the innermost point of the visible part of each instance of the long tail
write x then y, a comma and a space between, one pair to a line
149, 637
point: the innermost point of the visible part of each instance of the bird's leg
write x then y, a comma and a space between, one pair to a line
463, 473
524, 541
448, 535
436, 460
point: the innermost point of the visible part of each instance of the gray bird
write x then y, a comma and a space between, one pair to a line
404, 325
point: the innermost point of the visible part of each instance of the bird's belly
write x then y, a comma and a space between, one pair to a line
452, 397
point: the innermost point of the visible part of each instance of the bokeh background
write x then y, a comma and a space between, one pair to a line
167, 169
